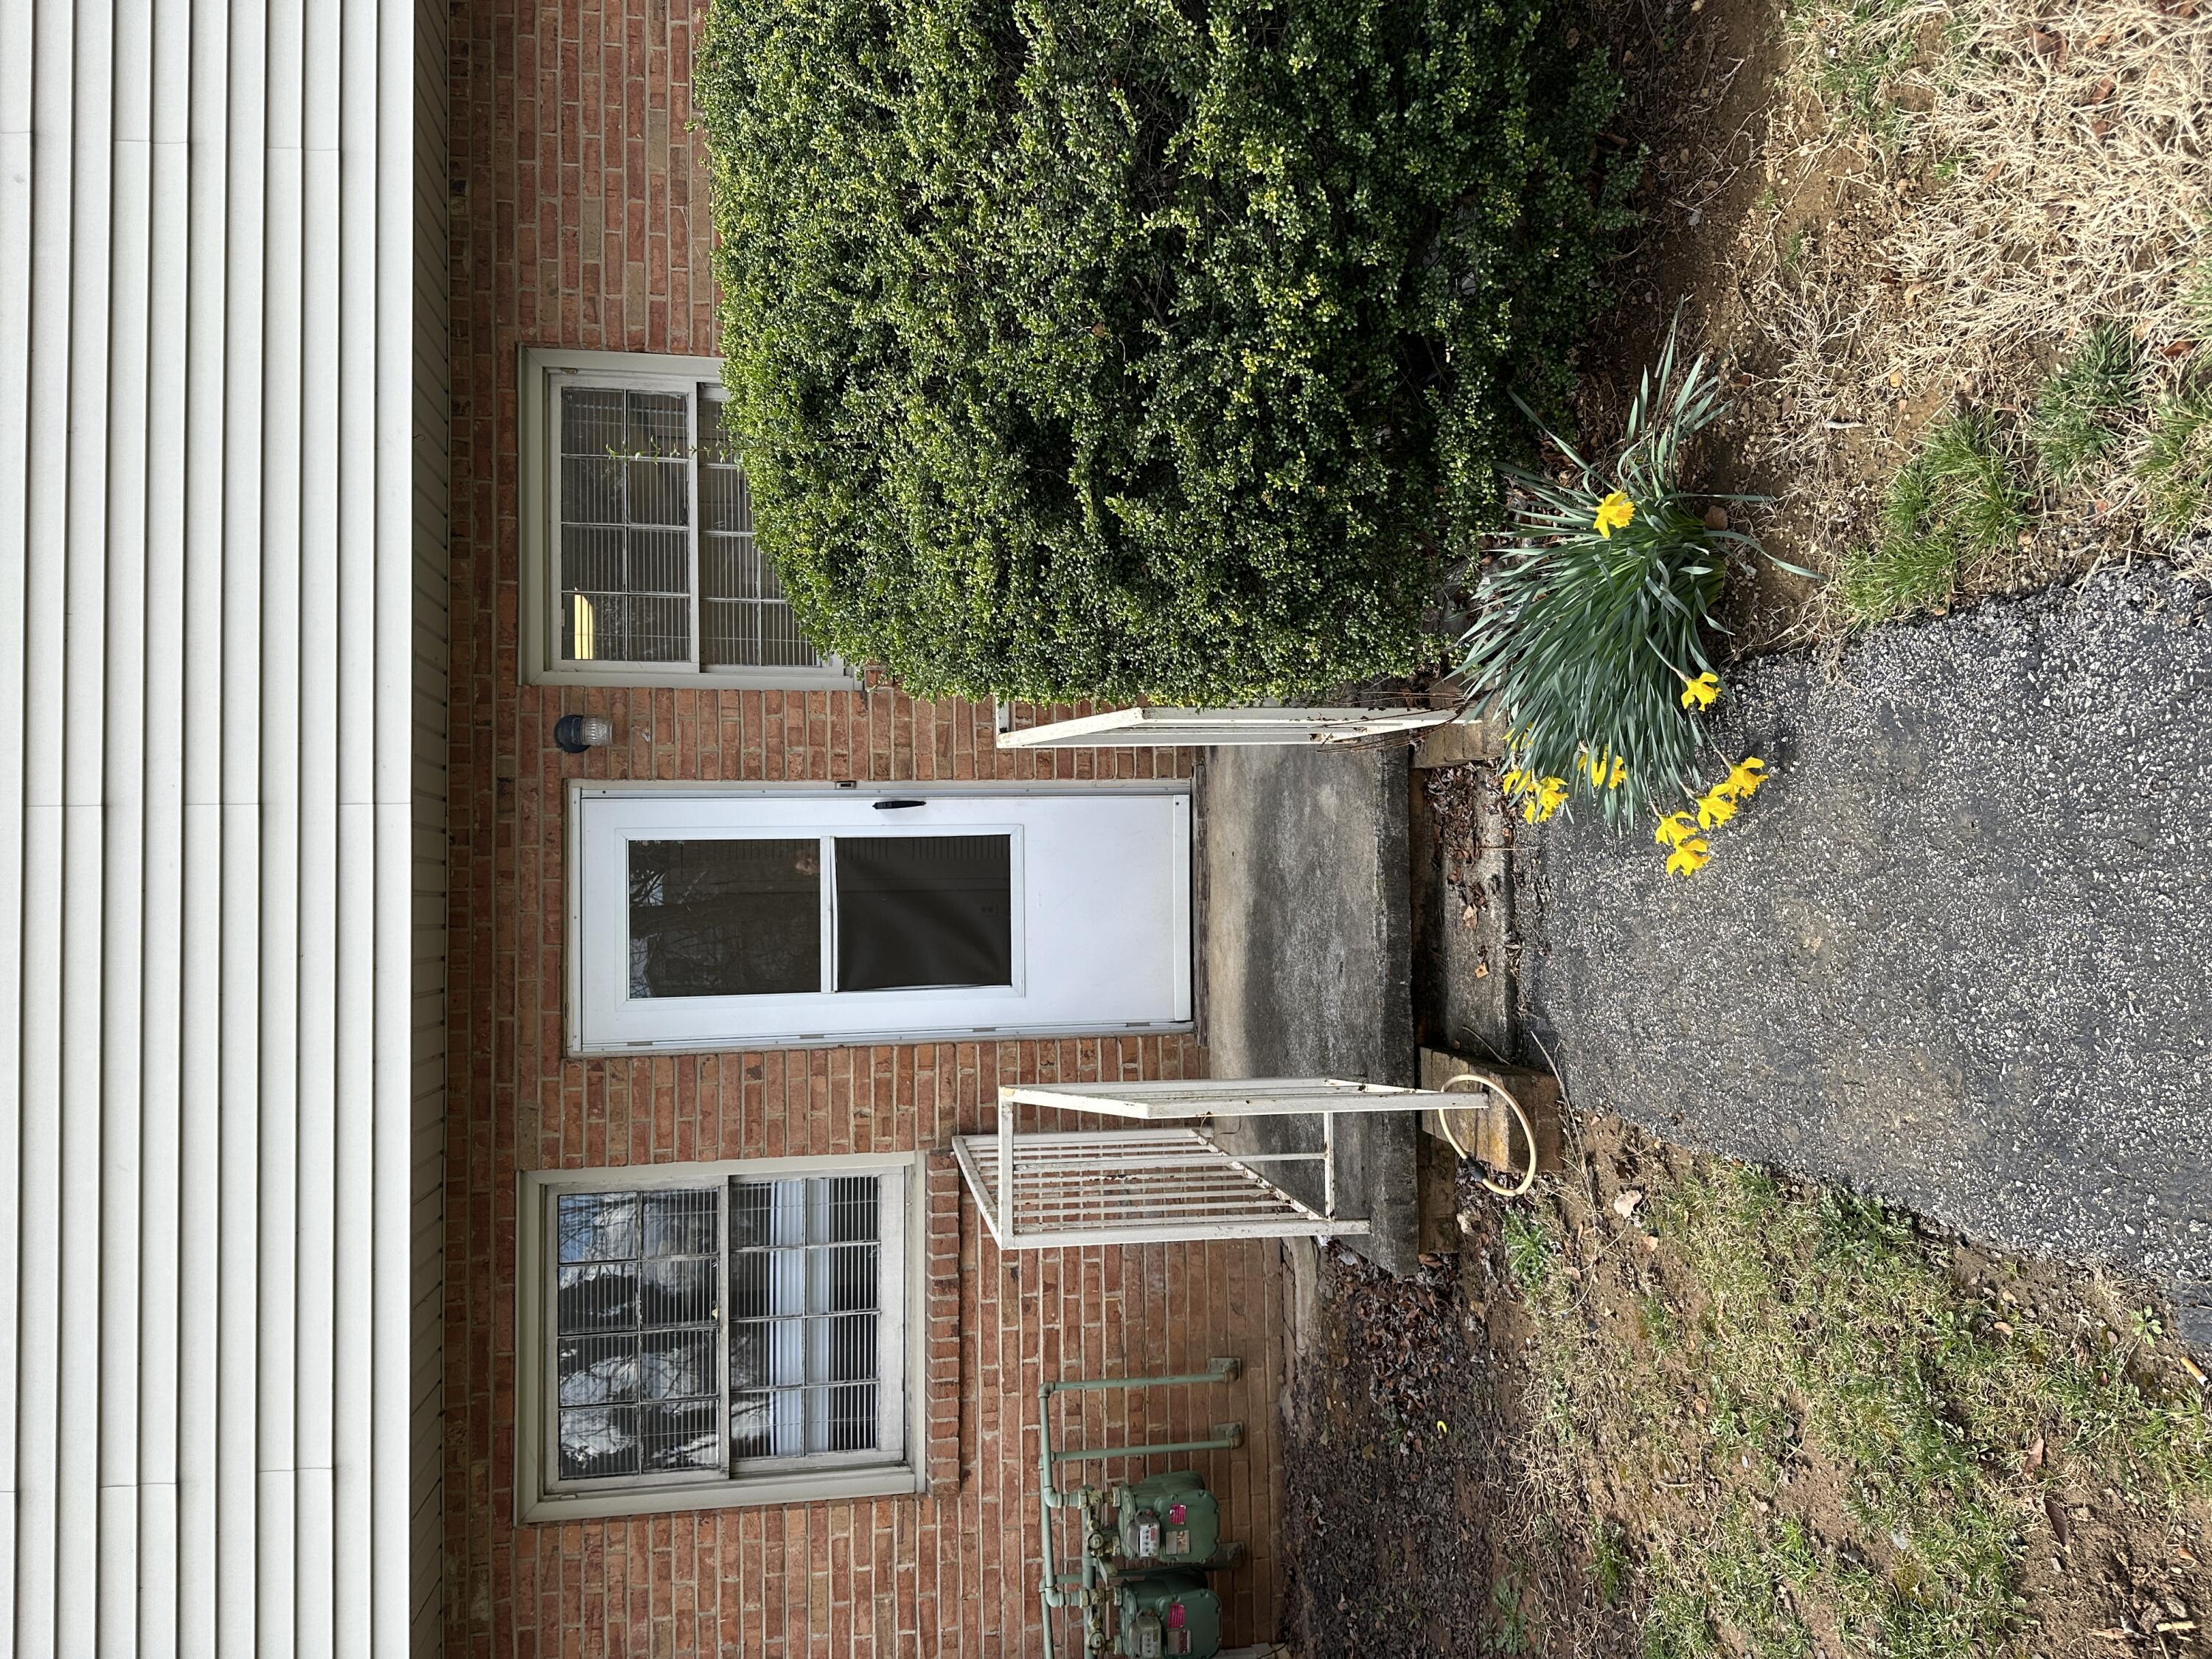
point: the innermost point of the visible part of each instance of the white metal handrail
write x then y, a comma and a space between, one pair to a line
1136, 1187
1043, 1190
1122, 728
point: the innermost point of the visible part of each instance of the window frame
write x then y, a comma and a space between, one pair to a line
538, 477
543, 1498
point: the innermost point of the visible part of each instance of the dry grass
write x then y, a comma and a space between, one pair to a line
2080, 172
1957, 197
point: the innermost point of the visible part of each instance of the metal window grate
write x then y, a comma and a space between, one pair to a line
804, 1273
636, 1330
625, 504
655, 523
743, 620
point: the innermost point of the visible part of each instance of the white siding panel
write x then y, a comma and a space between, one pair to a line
224, 427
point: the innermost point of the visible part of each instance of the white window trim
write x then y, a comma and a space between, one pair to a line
535, 473
539, 1501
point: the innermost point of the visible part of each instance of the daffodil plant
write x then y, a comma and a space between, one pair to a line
1590, 629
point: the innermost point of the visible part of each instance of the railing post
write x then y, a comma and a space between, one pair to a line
1005, 1167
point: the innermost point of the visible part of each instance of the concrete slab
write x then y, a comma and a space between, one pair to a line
1307, 951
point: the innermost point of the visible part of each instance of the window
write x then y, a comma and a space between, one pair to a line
709, 1335
640, 563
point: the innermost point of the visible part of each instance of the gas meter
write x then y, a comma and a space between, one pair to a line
1167, 1615
1166, 1520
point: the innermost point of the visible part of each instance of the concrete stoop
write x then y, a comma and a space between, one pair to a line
1306, 945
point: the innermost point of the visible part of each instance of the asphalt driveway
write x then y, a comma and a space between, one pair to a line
1957, 952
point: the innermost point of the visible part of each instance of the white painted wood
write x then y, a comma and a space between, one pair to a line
47, 34
199, 1045
123, 1013
85, 725
159, 1357
1142, 728
16, 60
15, 380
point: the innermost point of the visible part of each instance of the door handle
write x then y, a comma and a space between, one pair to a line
897, 805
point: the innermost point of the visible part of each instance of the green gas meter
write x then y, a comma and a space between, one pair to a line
1166, 1520
1137, 1590
1167, 1615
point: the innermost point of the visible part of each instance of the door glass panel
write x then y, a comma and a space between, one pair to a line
915, 911
725, 918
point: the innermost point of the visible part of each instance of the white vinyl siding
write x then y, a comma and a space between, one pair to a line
221, 508
716, 1333
640, 563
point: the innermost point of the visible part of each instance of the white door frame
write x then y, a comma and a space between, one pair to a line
573, 965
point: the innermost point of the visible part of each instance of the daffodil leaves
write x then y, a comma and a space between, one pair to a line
1588, 628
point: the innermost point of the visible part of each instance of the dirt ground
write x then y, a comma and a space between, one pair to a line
1411, 1526
1792, 208
1451, 1493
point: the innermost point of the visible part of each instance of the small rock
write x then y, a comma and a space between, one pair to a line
1624, 1203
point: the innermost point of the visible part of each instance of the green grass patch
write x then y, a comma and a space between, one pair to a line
1528, 1251
2197, 292
1853, 54
2075, 427
1955, 499
2175, 470
1821, 1337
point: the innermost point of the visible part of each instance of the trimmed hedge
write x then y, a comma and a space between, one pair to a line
1121, 347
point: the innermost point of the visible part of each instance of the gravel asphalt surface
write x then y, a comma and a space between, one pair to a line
1955, 953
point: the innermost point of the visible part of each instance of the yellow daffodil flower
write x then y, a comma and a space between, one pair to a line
1511, 782
1602, 775
1744, 778
1689, 858
1674, 829
1715, 808
1700, 692
1613, 512
1545, 798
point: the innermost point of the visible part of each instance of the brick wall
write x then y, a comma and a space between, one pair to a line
579, 201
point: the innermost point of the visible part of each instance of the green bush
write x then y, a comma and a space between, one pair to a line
1116, 347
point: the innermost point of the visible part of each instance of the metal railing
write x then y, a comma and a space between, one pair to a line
1045, 1190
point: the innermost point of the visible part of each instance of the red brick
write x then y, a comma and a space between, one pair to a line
549, 105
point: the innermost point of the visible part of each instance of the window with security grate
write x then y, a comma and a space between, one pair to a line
640, 527
656, 534
713, 1329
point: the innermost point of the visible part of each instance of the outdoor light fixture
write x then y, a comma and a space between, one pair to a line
577, 733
